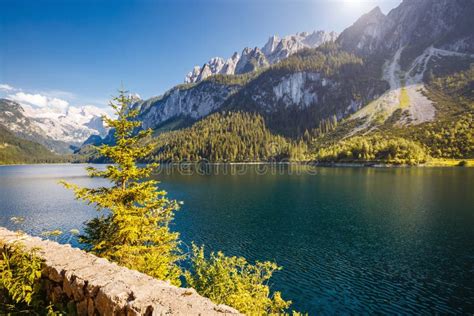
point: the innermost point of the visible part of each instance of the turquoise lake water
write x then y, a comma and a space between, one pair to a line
350, 240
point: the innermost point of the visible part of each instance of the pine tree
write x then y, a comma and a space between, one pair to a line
133, 229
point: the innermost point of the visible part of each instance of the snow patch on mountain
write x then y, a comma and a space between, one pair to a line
60, 122
71, 125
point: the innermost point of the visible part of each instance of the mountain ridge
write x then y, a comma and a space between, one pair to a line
255, 58
385, 75
56, 130
385, 84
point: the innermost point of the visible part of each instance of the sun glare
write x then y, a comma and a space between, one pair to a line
352, 3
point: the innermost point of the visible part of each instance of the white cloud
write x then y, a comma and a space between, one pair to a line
58, 103
53, 102
33, 99
6, 87
39, 100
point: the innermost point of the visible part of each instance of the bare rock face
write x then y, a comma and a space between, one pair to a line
406, 38
94, 286
417, 23
250, 59
277, 49
365, 34
190, 102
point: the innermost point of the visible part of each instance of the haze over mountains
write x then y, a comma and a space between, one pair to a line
408, 73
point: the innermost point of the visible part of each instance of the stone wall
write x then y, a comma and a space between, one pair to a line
95, 286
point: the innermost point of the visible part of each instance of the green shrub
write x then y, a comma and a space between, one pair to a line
20, 282
235, 282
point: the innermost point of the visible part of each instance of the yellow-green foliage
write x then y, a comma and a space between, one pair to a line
443, 162
451, 135
451, 140
404, 99
20, 283
235, 282
458, 86
134, 229
373, 148
20, 272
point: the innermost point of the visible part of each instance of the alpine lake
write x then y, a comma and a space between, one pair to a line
350, 240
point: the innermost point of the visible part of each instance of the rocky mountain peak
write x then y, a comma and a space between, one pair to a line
417, 24
251, 59
375, 12
272, 52
12, 106
271, 45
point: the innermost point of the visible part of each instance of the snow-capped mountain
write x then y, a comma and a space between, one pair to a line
55, 128
73, 125
250, 59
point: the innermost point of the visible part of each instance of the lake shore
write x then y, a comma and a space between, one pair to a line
365, 164
434, 162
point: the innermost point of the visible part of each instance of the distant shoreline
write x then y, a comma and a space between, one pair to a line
367, 164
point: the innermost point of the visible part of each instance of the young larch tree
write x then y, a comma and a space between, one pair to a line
133, 228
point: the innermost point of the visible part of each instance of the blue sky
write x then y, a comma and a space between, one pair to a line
81, 51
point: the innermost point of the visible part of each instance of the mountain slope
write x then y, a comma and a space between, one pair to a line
416, 39
414, 25
293, 95
224, 137
311, 86
449, 133
406, 74
189, 102
14, 150
14, 119
56, 130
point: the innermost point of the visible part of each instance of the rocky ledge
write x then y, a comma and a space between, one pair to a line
95, 286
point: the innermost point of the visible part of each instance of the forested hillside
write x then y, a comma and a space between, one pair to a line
14, 150
314, 85
449, 135
404, 80
226, 137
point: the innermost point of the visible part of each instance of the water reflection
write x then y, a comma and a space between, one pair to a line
351, 240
